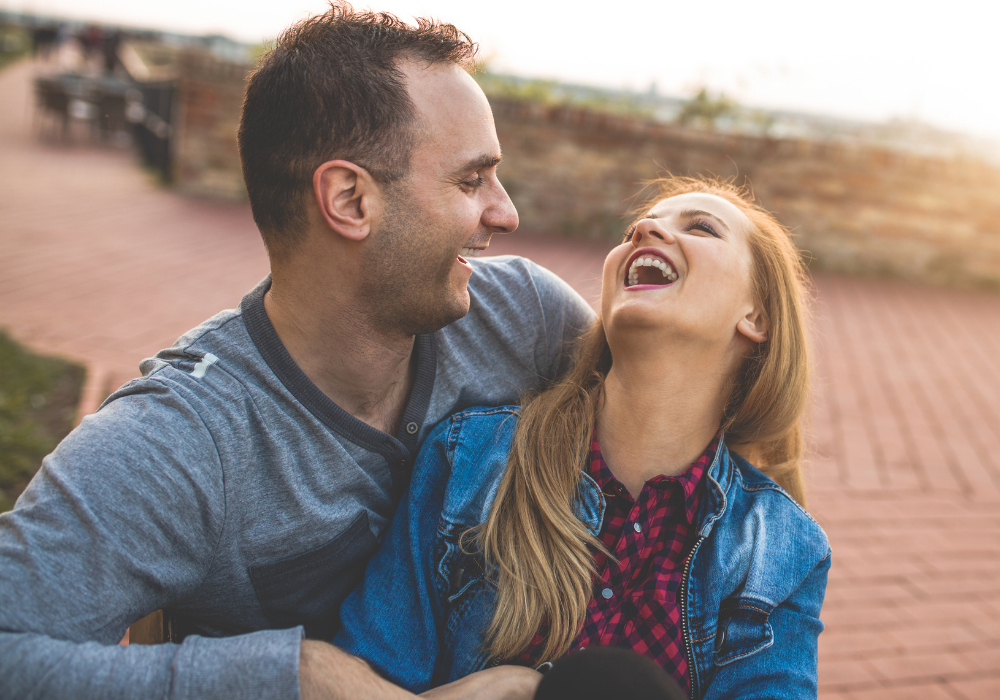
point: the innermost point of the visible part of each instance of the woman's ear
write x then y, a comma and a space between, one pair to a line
753, 326
344, 193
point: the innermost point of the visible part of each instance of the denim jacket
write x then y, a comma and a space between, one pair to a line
751, 593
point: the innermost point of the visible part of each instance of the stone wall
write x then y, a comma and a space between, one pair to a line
570, 171
210, 95
854, 209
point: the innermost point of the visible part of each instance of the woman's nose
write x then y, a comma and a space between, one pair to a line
647, 229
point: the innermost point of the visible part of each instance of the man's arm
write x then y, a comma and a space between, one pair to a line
122, 519
327, 673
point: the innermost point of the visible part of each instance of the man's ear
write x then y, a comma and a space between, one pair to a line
753, 326
345, 192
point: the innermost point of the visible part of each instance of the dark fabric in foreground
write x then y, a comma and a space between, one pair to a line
602, 673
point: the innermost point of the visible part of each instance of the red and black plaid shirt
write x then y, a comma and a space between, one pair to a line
636, 602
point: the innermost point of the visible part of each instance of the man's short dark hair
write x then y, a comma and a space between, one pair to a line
331, 89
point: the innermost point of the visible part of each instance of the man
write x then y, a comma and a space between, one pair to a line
244, 481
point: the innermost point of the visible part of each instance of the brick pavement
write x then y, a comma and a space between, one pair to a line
99, 264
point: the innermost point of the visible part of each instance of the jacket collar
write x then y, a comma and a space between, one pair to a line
717, 494
590, 504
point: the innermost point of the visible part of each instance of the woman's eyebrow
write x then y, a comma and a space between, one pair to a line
691, 213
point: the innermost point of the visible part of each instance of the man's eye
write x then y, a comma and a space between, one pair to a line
474, 183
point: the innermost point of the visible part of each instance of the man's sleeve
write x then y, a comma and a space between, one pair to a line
566, 315
122, 519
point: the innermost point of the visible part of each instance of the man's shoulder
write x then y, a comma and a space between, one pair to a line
511, 281
204, 373
517, 335
224, 329
511, 291
501, 273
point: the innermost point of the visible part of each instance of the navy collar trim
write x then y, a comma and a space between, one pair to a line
395, 448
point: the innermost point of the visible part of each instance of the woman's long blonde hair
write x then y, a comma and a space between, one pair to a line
542, 554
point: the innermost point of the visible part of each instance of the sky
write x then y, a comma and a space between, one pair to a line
871, 60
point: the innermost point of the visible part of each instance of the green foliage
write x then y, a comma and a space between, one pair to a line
551, 93
529, 90
38, 397
14, 44
704, 111
257, 51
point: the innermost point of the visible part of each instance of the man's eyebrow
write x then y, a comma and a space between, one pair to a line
483, 161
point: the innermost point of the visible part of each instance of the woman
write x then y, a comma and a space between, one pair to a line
618, 507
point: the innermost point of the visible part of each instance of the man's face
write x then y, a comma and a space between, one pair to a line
443, 212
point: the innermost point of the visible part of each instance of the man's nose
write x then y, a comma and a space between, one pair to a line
500, 216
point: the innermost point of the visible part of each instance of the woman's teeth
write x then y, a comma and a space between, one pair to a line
470, 252
633, 272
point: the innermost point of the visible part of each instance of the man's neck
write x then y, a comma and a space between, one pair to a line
362, 369
657, 417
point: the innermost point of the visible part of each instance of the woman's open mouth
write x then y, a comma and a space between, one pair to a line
650, 268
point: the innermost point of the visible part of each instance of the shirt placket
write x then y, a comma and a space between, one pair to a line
628, 551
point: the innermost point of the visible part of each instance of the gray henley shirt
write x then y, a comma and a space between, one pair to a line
224, 486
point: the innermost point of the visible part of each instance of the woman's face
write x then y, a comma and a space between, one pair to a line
685, 274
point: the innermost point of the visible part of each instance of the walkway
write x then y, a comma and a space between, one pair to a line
100, 265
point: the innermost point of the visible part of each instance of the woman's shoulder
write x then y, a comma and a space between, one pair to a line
765, 499
763, 546
475, 443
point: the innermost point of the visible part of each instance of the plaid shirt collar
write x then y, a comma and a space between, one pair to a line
689, 480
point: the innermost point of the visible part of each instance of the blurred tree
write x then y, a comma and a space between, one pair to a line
704, 111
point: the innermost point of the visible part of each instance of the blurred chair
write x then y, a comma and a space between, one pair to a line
52, 101
111, 113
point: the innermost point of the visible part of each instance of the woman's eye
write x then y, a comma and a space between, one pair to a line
703, 226
629, 233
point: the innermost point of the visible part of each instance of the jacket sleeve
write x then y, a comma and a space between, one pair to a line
392, 619
787, 667
123, 519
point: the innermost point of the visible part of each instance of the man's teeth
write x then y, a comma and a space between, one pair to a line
470, 252
633, 272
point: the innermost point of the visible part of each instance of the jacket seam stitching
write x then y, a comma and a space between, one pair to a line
729, 660
750, 607
778, 489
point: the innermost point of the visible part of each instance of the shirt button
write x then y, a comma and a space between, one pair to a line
607, 593
412, 428
637, 527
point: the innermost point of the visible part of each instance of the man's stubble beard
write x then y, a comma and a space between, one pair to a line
407, 281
